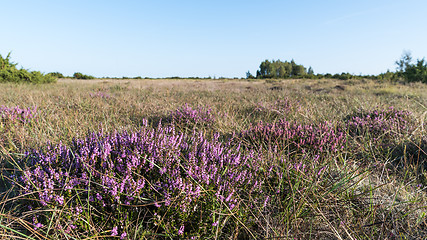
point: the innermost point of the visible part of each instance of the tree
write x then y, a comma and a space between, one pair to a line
298, 70
412, 72
404, 61
416, 72
249, 75
279, 69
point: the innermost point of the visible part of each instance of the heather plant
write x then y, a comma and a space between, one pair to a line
385, 127
158, 182
17, 115
188, 117
380, 122
296, 138
154, 178
12, 120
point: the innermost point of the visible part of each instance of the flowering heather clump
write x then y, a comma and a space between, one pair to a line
297, 138
189, 181
188, 116
16, 114
380, 123
12, 124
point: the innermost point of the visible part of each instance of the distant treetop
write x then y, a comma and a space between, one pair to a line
279, 69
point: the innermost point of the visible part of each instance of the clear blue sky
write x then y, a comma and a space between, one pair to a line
210, 38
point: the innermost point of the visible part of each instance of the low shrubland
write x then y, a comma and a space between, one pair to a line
138, 162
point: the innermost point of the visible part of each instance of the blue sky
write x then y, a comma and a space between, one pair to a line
210, 38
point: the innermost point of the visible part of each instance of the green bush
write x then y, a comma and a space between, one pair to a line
56, 74
387, 76
9, 73
343, 76
79, 75
416, 72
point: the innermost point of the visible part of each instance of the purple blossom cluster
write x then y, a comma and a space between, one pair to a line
384, 123
297, 138
144, 173
192, 116
14, 115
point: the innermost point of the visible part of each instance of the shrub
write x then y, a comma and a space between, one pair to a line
343, 76
56, 74
9, 73
78, 75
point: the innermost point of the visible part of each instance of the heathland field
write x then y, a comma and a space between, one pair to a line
213, 159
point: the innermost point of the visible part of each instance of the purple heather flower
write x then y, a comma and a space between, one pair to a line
37, 226
114, 231
60, 199
266, 201
181, 230
98, 196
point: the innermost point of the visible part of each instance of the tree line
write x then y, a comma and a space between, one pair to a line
279, 69
407, 70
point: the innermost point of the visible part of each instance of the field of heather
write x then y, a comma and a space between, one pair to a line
213, 159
